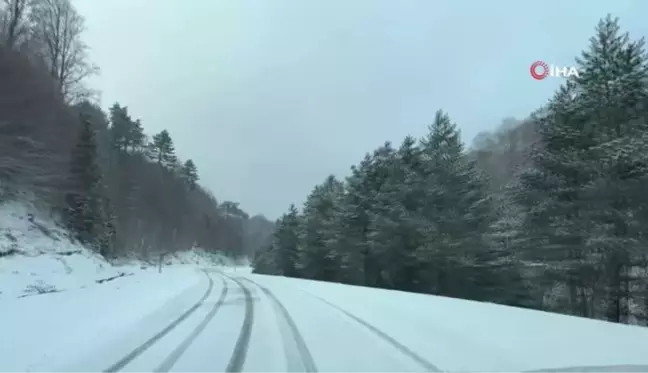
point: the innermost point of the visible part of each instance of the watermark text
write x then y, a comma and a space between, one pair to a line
540, 70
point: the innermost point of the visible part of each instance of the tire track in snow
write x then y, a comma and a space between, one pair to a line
170, 361
386, 337
302, 351
121, 363
240, 349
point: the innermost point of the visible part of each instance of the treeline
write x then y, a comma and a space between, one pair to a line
549, 213
117, 190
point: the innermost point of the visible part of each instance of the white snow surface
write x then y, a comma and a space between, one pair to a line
90, 329
42, 332
468, 336
87, 326
52, 306
37, 256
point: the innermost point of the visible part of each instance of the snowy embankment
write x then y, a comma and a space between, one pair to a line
467, 336
37, 257
57, 297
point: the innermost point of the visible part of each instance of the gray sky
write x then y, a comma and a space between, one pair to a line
268, 97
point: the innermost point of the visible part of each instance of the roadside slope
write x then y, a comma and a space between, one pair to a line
59, 299
37, 256
49, 330
460, 335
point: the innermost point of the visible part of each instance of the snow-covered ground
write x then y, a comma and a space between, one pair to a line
43, 331
91, 329
57, 297
460, 335
192, 317
37, 257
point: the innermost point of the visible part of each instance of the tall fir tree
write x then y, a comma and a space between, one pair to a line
318, 257
286, 241
163, 150
353, 225
378, 174
120, 122
458, 213
85, 208
190, 173
396, 225
613, 96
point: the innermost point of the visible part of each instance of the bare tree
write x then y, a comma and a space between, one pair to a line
36, 130
57, 30
14, 21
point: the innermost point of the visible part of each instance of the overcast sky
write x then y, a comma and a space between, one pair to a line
268, 97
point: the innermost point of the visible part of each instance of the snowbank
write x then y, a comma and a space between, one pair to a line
468, 336
46, 332
37, 256
199, 258
80, 295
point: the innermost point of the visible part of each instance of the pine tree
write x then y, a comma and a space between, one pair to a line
265, 261
377, 176
550, 194
162, 149
107, 232
578, 206
317, 256
458, 213
120, 126
84, 213
282, 255
353, 225
190, 173
613, 96
504, 239
135, 135
286, 243
101, 126
126, 132
396, 225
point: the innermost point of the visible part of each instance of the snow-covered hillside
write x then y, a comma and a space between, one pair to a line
79, 293
37, 257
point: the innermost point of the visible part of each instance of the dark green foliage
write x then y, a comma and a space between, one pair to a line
400, 221
285, 242
162, 149
190, 173
580, 196
84, 212
549, 213
317, 256
126, 133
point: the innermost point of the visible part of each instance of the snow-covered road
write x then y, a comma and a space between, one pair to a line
240, 324
236, 321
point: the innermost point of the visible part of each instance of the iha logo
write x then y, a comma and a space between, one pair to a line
540, 70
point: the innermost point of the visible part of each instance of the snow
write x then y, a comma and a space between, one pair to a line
337, 343
89, 329
52, 306
43, 332
197, 257
87, 326
37, 256
460, 335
